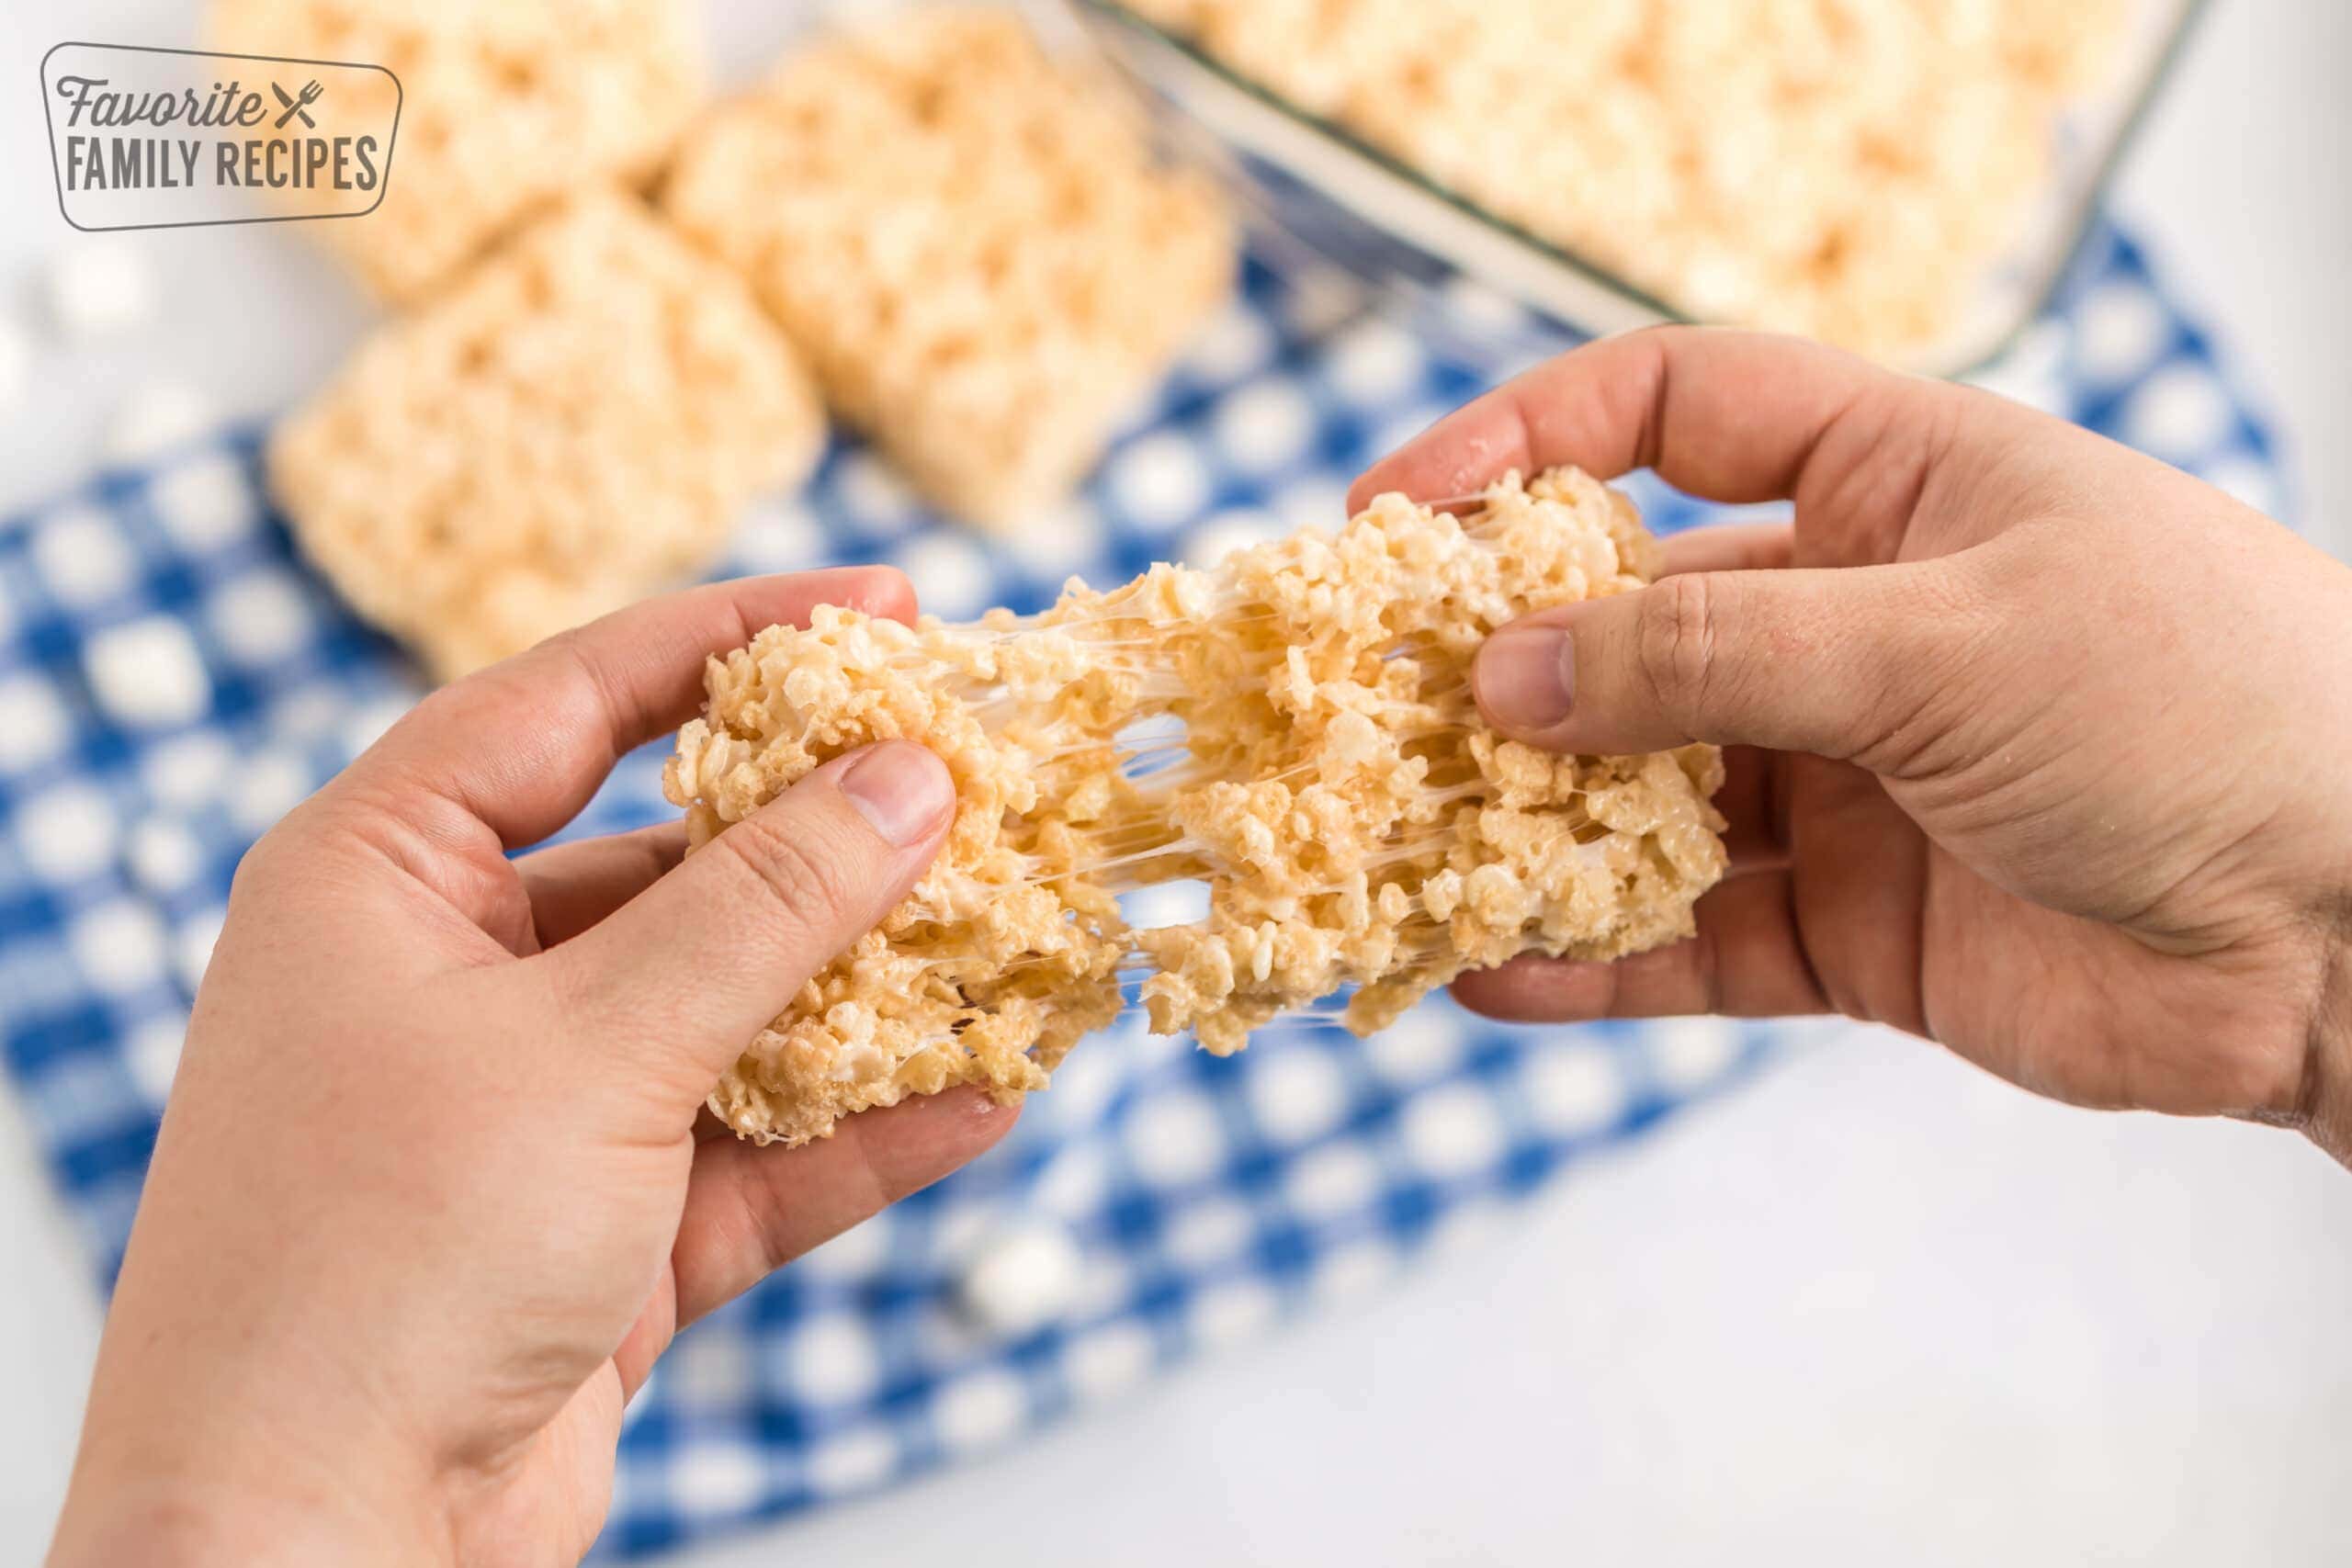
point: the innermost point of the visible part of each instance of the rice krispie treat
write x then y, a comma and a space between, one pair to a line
1843, 168
974, 246
1293, 727
573, 427
505, 105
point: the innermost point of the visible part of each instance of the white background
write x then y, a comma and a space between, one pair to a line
1877, 1308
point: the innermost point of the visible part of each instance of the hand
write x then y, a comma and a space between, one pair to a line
2038, 748
431, 1194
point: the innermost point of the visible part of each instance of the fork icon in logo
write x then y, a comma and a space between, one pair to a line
311, 91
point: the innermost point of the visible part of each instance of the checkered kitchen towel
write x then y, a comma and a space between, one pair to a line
1191, 1198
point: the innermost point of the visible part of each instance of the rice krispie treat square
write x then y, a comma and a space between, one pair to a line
575, 425
975, 247
506, 105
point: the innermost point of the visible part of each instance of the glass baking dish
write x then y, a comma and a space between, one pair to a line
1398, 230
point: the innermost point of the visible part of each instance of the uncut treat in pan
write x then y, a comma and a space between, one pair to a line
505, 105
974, 246
1292, 726
1849, 169
574, 425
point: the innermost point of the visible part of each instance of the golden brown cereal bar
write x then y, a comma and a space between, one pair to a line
974, 246
574, 427
1293, 727
505, 105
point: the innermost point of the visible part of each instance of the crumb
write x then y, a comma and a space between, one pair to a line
504, 108
574, 427
974, 246
1317, 762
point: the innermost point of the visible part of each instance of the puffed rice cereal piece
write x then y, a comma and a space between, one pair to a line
1293, 726
505, 105
1844, 168
973, 245
574, 426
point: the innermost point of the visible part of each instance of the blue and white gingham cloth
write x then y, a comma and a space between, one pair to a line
1206, 1196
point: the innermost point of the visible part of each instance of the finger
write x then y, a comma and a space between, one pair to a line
520, 747
1732, 546
1747, 961
647, 1339
679, 978
1754, 802
1830, 661
1730, 415
571, 886
1722, 415
751, 1209
1862, 899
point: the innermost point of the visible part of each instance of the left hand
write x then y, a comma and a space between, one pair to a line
432, 1192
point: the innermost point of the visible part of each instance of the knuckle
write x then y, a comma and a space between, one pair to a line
1936, 654
1676, 635
587, 683
584, 994
881, 1178
793, 864
257, 869
293, 851
768, 1223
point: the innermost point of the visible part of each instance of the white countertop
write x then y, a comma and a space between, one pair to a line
1876, 1308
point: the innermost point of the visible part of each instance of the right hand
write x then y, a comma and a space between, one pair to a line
2038, 746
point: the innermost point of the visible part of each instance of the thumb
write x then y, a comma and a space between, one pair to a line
677, 981
1826, 661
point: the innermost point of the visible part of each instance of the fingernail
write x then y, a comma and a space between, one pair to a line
1527, 676
901, 789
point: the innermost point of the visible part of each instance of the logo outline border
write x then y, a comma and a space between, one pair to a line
49, 123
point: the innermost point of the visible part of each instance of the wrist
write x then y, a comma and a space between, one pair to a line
172, 1527
151, 1502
